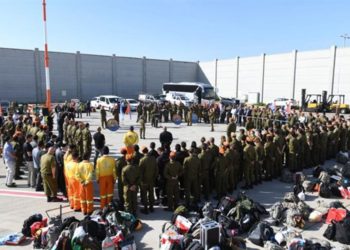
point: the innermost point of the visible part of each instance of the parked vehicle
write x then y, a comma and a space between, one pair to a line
283, 102
177, 99
194, 91
95, 102
133, 104
109, 101
147, 98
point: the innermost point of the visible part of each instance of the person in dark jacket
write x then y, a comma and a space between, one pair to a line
166, 139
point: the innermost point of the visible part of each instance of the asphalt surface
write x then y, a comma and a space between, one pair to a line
19, 203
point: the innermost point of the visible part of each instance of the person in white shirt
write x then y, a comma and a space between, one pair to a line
10, 161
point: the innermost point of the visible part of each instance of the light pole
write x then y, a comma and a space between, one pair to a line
46, 57
345, 37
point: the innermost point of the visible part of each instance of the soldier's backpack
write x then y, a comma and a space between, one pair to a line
260, 233
276, 211
226, 204
195, 245
342, 232
329, 233
325, 191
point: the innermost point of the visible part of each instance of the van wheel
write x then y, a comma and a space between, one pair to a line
342, 111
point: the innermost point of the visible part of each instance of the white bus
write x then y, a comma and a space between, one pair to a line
192, 90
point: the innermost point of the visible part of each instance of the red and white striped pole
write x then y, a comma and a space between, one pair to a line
46, 57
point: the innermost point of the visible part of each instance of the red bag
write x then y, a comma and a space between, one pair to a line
170, 238
37, 225
182, 224
336, 214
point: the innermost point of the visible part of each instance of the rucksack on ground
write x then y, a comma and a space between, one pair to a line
226, 204
342, 232
260, 233
276, 211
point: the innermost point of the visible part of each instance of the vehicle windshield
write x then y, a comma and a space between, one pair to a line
209, 93
159, 97
184, 98
113, 100
132, 101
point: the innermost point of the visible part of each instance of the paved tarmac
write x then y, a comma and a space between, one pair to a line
19, 203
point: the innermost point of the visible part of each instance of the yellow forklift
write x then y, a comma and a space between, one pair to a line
313, 102
336, 103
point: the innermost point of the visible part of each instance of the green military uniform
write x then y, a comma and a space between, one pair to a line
189, 117
47, 163
65, 129
205, 158
236, 167
87, 139
212, 118
78, 139
130, 177
142, 122
121, 163
292, 153
315, 152
103, 118
191, 168
139, 111
301, 150
269, 155
259, 162
308, 148
249, 159
229, 181
323, 146
148, 175
9, 128
41, 136
172, 171
342, 139
219, 167
278, 140
231, 128
249, 125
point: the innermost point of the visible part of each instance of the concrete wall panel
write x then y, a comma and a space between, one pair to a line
129, 76
157, 73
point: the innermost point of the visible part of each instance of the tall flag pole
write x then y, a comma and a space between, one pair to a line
46, 58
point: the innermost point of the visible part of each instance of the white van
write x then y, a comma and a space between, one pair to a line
106, 101
176, 98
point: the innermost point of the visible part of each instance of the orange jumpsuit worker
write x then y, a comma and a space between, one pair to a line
106, 176
73, 184
66, 159
84, 176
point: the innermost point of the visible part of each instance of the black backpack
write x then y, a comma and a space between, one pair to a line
195, 245
325, 191
247, 222
342, 232
262, 232
330, 231
28, 222
225, 204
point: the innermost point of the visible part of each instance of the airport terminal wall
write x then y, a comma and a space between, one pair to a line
281, 75
83, 76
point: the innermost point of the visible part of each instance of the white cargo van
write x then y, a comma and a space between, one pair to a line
108, 101
176, 98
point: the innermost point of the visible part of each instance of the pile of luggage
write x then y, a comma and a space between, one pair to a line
221, 226
234, 220
106, 229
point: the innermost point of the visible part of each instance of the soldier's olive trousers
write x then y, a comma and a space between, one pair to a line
130, 198
50, 185
191, 188
147, 194
173, 193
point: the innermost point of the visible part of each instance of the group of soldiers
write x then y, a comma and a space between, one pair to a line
258, 151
